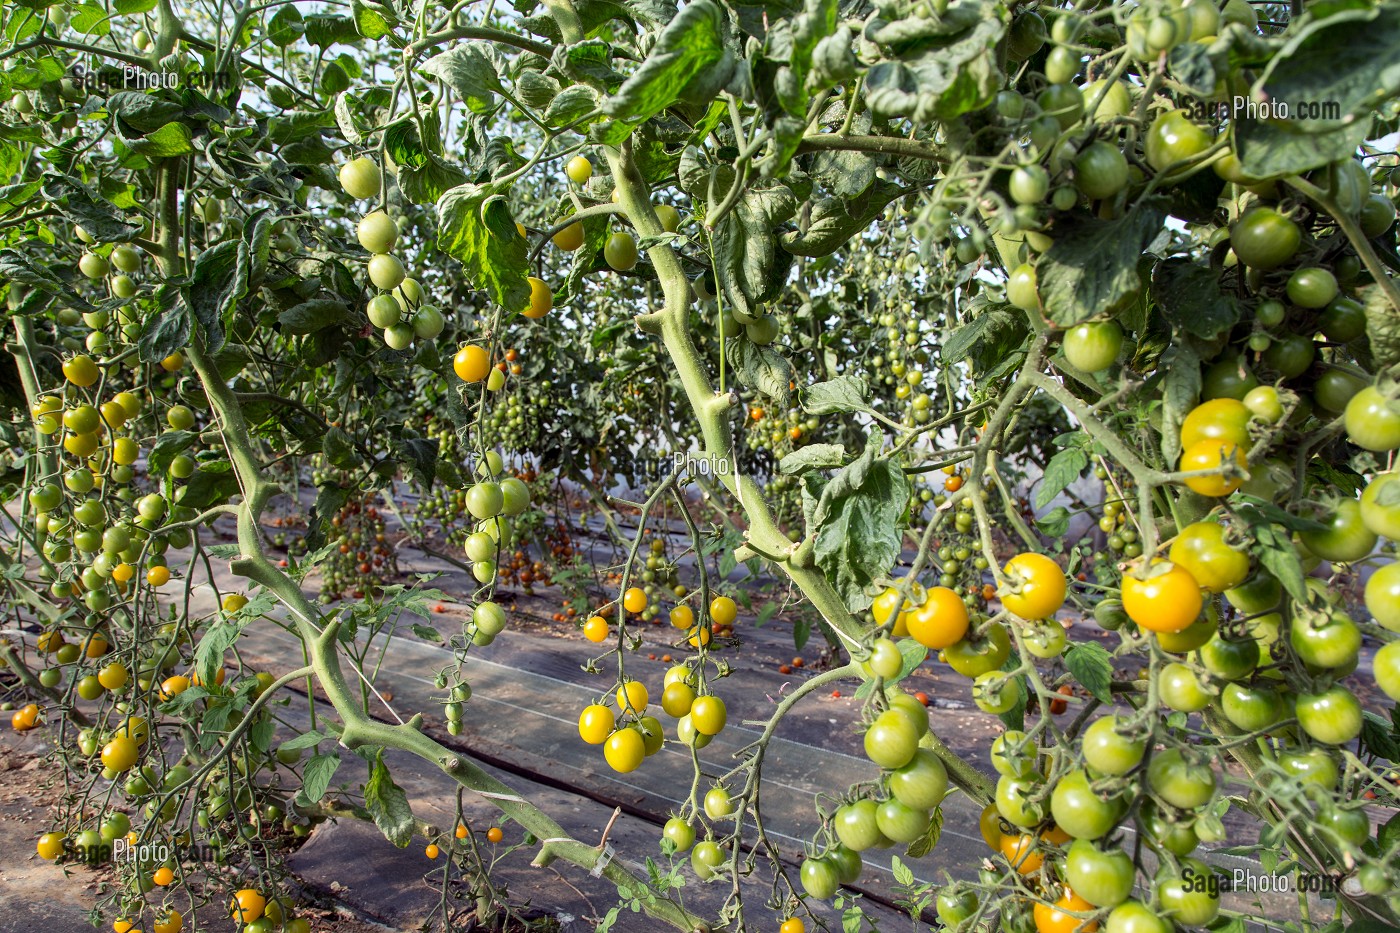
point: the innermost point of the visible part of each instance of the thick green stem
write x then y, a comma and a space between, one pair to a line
711, 408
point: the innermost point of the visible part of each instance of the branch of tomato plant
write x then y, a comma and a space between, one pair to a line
358, 729
710, 408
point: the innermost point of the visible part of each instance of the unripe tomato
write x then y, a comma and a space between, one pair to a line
670, 217
427, 322
81, 371
1264, 239
570, 238
377, 232
1332, 717
1345, 537
1311, 287
1021, 288
1171, 138
1029, 184
1094, 346
1108, 751
620, 252
92, 266
360, 178
1100, 170
1179, 781
385, 271
1190, 895
1373, 421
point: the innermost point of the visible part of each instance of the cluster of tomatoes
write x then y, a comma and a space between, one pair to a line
399, 309
361, 559
494, 504
630, 735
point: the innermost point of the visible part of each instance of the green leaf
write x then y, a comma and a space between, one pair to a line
762, 368
690, 49
842, 394
570, 104
212, 482
316, 777
136, 112
1280, 558
1188, 294
1055, 523
475, 226
324, 30
172, 139
305, 740
466, 69
285, 27
1092, 267
90, 19
388, 804
834, 221
426, 633
1346, 59
420, 455
942, 67
857, 520
987, 324
1382, 327
134, 7
209, 655
812, 457
427, 183
1092, 666
1063, 469
339, 450
1180, 389
1376, 737
168, 445
219, 279
373, 20
310, 316
929, 840
167, 329
745, 248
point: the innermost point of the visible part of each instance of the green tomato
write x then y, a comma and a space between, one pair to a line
1080, 811
1102, 877
1183, 783
1093, 347
1373, 421
1332, 716
1264, 239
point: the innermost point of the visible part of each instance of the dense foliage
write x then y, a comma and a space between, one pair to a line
1089, 308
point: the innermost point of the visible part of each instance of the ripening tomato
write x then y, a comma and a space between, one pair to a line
579, 170
120, 754
471, 363
541, 299
1223, 419
595, 724
1036, 586
1059, 917
708, 715
1201, 549
624, 750
983, 652
1214, 455
938, 622
1166, 601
